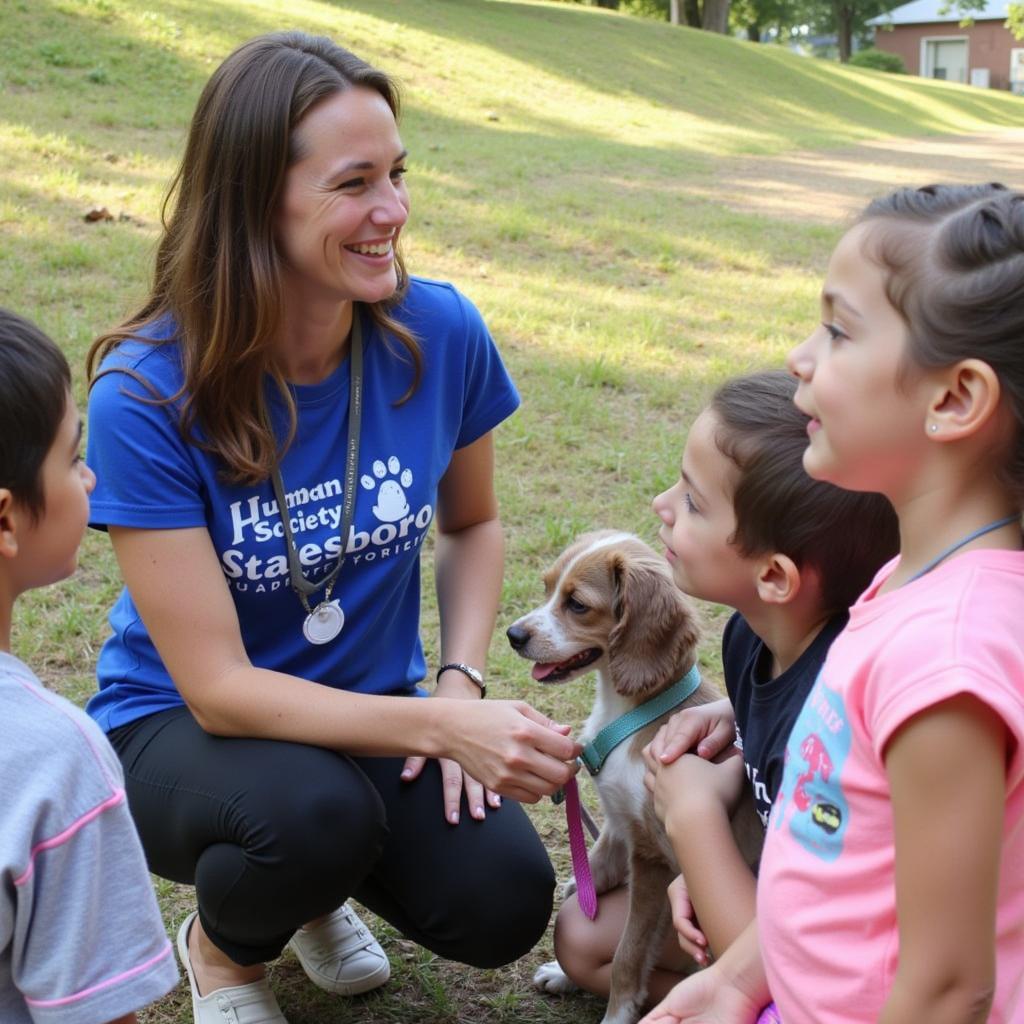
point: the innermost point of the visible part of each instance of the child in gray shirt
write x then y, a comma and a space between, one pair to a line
81, 939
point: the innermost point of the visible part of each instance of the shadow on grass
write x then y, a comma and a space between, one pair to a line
705, 74
756, 97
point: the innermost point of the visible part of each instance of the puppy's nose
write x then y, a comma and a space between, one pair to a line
517, 636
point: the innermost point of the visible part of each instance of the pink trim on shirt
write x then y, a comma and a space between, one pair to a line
63, 837
124, 976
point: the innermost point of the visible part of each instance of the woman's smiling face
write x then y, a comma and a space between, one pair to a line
344, 201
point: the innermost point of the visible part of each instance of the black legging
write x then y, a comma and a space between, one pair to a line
275, 834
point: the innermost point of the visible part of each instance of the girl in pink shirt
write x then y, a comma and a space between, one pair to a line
892, 883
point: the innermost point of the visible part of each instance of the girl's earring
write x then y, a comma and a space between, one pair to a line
933, 427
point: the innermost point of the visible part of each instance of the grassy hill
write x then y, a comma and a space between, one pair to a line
558, 154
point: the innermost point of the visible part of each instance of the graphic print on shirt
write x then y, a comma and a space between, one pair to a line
762, 801
315, 514
811, 795
392, 504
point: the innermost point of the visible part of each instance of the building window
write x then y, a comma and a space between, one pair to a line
945, 58
1017, 70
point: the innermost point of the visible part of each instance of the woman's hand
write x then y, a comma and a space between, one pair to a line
509, 747
453, 779
704, 998
709, 727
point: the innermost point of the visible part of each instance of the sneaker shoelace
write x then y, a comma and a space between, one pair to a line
339, 938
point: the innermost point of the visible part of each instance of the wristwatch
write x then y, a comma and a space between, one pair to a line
467, 670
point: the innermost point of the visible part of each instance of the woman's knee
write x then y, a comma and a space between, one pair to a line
506, 917
328, 818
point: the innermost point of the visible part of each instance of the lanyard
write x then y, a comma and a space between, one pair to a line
303, 587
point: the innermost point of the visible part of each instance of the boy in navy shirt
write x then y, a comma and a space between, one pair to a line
744, 526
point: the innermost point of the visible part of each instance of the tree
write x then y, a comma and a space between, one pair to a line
715, 16
764, 17
1015, 21
710, 15
968, 8
778, 19
850, 18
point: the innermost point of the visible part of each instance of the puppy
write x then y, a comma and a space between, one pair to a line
613, 607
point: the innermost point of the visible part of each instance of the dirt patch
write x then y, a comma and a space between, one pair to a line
832, 186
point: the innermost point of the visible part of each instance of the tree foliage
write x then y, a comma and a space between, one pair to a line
850, 18
1015, 22
967, 9
845, 20
711, 15
774, 18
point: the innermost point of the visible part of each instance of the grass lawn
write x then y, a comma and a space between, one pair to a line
556, 153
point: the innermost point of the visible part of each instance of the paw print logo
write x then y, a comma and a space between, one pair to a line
392, 504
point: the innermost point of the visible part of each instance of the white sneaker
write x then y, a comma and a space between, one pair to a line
240, 1004
340, 955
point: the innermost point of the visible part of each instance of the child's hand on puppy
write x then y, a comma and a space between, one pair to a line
691, 787
708, 729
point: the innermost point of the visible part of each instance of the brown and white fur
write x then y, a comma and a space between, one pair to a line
613, 607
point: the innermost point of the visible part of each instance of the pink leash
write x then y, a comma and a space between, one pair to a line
578, 848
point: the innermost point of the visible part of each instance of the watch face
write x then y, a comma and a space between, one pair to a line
473, 673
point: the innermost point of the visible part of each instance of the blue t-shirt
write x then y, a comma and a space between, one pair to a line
149, 477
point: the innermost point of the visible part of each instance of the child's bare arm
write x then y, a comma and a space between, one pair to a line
946, 770
691, 939
695, 799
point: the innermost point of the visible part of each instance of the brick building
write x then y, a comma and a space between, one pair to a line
934, 45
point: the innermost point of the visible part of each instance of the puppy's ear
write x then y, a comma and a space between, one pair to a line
656, 627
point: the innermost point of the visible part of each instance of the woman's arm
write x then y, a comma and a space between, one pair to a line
177, 584
947, 773
469, 559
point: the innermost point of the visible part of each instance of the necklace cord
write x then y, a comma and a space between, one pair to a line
305, 588
962, 542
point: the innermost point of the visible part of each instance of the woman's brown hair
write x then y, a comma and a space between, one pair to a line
218, 271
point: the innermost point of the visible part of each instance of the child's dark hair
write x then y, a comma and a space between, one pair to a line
953, 256
844, 536
34, 384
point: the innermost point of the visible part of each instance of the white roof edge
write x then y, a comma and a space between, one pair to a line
924, 12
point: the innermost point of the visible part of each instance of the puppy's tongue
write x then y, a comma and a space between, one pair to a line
541, 669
